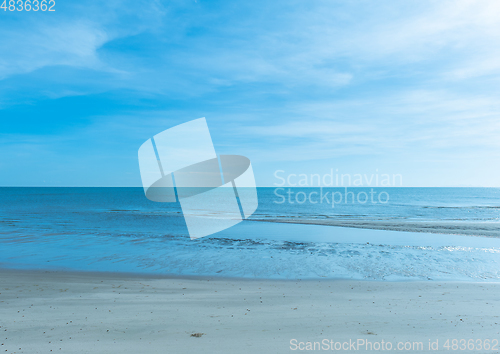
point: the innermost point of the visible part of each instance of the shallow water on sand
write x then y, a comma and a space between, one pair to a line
117, 229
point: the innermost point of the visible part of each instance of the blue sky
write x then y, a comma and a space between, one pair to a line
363, 87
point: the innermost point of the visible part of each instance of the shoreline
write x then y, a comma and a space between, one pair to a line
122, 275
458, 228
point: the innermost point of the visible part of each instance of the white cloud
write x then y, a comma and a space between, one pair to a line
72, 44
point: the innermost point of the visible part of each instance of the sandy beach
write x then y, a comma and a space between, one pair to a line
487, 229
67, 312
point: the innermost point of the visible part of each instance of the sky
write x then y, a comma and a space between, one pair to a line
357, 87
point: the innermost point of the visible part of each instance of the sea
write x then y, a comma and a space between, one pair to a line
389, 234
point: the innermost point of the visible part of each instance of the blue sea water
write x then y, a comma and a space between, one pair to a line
118, 229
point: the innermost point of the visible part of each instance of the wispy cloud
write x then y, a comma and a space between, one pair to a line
300, 81
29, 49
